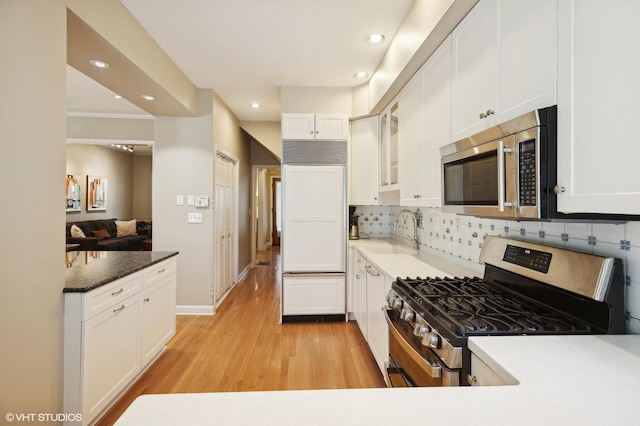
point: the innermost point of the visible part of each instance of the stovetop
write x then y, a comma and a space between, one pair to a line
473, 306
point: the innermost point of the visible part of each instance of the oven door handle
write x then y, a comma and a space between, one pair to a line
501, 176
435, 371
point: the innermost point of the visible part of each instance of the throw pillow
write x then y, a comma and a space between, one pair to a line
77, 232
126, 228
101, 234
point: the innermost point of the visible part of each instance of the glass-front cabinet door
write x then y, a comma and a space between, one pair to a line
389, 148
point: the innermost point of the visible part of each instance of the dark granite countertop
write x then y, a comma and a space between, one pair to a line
87, 270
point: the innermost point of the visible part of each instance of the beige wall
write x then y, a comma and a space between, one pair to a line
183, 164
142, 187
92, 128
267, 133
117, 167
32, 166
317, 100
183, 159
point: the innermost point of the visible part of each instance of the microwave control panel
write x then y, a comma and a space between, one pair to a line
527, 168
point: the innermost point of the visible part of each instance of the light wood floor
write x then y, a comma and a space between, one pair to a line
243, 348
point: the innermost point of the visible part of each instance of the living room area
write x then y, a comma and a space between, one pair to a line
109, 163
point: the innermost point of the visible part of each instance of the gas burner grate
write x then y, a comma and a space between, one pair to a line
473, 306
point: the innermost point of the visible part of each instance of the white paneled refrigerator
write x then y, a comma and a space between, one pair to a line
314, 237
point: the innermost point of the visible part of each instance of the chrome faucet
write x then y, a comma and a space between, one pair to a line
415, 218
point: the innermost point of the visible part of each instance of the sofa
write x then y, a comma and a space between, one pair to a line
96, 239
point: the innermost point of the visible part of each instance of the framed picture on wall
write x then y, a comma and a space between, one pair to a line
74, 193
96, 193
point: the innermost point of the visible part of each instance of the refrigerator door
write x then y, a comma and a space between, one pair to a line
314, 218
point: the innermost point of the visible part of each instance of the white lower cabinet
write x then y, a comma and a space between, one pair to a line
378, 331
158, 317
360, 293
370, 290
112, 333
111, 355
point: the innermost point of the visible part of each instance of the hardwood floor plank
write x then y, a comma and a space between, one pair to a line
244, 348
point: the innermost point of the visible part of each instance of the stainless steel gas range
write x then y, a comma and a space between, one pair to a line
527, 289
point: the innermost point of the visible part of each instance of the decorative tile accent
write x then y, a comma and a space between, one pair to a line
625, 245
541, 234
565, 237
592, 240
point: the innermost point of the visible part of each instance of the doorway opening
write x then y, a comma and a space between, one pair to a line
266, 211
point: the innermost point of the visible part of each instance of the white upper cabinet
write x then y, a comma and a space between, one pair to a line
598, 150
315, 126
425, 127
527, 68
363, 162
389, 139
504, 63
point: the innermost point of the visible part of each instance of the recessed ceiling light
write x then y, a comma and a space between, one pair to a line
117, 96
99, 63
255, 105
148, 97
375, 38
360, 75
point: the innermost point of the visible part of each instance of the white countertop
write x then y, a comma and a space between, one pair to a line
574, 380
399, 260
570, 380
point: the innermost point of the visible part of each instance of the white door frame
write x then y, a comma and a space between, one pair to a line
234, 244
254, 230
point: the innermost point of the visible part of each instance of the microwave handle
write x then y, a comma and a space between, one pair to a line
501, 176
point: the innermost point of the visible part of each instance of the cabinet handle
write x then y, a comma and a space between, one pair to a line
311, 132
161, 270
115, 293
487, 114
357, 276
119, 309
558, 189
368, 269
146, 299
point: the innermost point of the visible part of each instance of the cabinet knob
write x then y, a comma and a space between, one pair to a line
558, 189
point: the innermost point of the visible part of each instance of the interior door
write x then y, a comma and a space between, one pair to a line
224, 231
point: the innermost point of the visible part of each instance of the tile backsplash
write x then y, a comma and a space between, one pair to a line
462, 237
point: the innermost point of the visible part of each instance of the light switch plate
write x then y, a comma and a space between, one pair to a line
191, 200
194, 218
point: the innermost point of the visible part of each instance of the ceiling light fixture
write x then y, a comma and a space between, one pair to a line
99, 63
255, 105
361, 75
128, 148
148, 97
117, 96
375, 38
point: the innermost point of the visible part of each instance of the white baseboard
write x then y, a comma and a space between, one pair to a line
194, 310
243, 274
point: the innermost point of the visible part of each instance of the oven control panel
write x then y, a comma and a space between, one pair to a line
528, 258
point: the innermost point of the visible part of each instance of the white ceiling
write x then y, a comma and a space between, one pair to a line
245, 50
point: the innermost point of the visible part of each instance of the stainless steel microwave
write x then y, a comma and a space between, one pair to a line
507, 171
